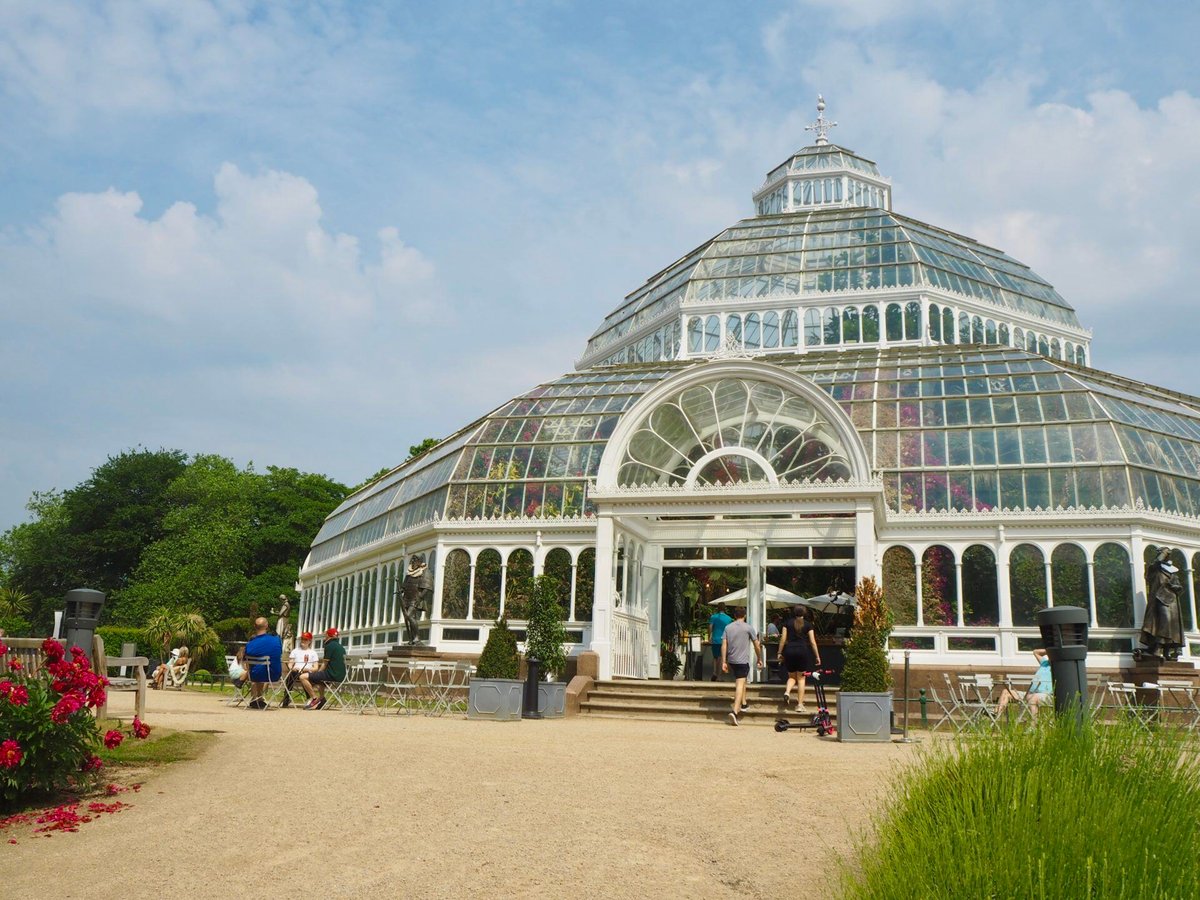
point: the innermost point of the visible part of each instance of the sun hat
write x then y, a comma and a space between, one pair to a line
331, 632
306, 636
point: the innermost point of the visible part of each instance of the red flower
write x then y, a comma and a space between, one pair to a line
64, 708
140, 729
15, 664
97, 696
3, 648
78, 653
19, 695
10, 754
92, 763
52, 648
112, 739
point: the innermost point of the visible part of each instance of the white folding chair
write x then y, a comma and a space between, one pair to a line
954, 713
1125, 697
361, 685
341, 693
1178, 698
272, 688
456, 678
976, 691
397, 690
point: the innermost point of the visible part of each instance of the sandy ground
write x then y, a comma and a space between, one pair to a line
289, 802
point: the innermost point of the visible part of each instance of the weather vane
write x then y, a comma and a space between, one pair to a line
822, 125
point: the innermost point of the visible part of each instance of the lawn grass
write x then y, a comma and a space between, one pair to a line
1056, 811
161, 747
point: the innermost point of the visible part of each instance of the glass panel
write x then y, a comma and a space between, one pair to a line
1114, 587
939, 587
850, 330
770, 329
733, 329
833, 326
712, 334
487, 585
870, 324
812, 327
935, 323
1069, 576
790, 328
900, 584
518, 583
752, 337
585, 581
912, 320
456, 584
895, 324
948, 326
558, 567
964, 328
1026, 583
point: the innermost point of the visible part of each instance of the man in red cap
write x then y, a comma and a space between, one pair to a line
302, 659
332, 668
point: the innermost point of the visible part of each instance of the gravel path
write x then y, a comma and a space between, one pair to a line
331, 804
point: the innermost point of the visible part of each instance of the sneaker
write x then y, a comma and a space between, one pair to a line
320, 704
286, 702
733, 719
745, 706
258, 704
801, 708
311, 704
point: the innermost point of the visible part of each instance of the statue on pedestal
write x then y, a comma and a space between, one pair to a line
1162, 627
283, 627
416, 596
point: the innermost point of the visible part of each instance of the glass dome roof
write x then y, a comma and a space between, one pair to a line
807, 254
966, 428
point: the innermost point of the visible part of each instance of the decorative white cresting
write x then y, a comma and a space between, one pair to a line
820, 127
731, 348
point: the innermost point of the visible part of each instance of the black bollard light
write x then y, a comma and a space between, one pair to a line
1065, 638
529, 703
81, 617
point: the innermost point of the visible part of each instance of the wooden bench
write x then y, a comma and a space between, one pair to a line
101, 662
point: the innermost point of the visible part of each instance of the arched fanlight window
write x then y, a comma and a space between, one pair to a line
730, 431
558, 567
948, 326
870, 324
912, 320
900, 584
939, 586
1114, 586
1026, 583
1031, 342
1019, 338
1004, 338
486, 604
752, 336
518, 583
1055, 348
812, 327
770, 329
976, 330
895, 322
456, 584
935, 322
695, 334
712, 334
850, 330
1043, 345
791, 328
833, 326
733, 329
585, 584
981, 595
964, 328
989, 332
1069, 577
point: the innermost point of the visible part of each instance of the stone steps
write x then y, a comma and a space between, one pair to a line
693, 701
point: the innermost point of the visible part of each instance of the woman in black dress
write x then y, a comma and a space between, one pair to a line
799, 654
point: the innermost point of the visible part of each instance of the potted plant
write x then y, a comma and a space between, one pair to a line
545, 639
864, 708
495, 690
669, 662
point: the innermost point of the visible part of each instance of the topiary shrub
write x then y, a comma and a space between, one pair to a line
499, 658
545, 633
867, 669
236, 629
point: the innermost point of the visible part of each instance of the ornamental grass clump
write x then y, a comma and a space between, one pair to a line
1055, 811
48, 736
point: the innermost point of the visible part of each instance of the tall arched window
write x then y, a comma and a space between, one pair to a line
850, 330
1019, 338
1080, 356
791, 328
1031, 342
939, 586
976, 330
1069, 577
894, 321
456, 585
518, 584
752, 336
981, 595
900, 584
935, 323
770, 326
558, 567
1055, 349
833, 326
1043, 345
733, 328
1004, 339
870, 324
695, 334
948, 325
989, 332
912, 320
712, 334
487, 585
1114, 586
812, 327
585, 584
1026, 583
964, 328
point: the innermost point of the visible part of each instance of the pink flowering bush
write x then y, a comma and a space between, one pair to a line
48, 735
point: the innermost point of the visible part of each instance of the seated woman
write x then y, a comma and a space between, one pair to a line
237, 669
1041, 689
178, 669
159, 675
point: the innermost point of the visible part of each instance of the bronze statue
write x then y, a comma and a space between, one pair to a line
1162, 626
416, 594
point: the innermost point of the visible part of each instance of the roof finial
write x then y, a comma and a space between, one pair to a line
822, 125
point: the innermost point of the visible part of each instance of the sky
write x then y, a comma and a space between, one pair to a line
312, 234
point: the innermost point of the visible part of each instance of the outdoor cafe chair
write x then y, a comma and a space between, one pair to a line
361, 685
273, 688
954, 713
241, 689
341, 693
452, 688
1018, 686
976, 694
1097, 687
1178, 696
397, 689
1125, 697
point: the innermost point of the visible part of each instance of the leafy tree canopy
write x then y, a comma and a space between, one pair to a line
423, 447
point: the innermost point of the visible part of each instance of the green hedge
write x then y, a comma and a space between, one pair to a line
236, 629
116, 635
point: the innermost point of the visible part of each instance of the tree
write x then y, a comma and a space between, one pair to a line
13, 602
545, 633
867, 668
424, 447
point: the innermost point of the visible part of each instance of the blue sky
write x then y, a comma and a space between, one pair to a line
312, 234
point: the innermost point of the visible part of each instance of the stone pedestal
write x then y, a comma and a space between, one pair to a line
1152, 669
413, 651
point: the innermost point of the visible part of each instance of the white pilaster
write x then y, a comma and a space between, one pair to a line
602, 604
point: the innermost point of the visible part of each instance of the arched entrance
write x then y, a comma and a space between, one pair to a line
740, 472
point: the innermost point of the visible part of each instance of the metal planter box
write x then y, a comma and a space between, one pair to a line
497, 699
864, 718
552, 699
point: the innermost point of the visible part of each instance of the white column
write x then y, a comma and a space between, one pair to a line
471, 590
1137, 552
958, 588
503, 584
920, 592
602, 604
438, 572
865, 550
683, 336
1091, 567
574, 583
1049, 583
1187, 574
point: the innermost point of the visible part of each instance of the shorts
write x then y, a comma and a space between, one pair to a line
321, 678
798, 658
259, 673
716, 649
740, 670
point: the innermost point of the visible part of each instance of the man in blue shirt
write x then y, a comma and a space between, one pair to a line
716, 634
270, 646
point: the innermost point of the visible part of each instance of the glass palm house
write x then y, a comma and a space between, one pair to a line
823, 391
